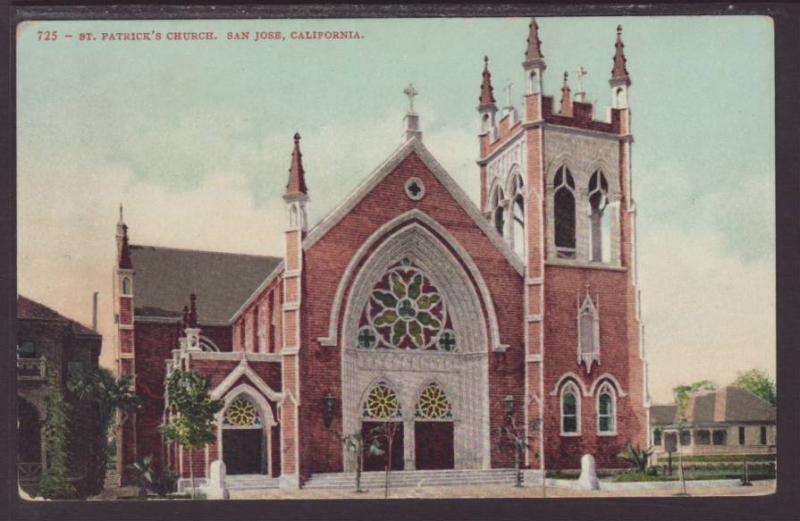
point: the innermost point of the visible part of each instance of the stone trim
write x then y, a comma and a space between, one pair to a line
566, 263
413, 145
244, 369
567, 376
253, 296
367, 246
233, 356
608, 377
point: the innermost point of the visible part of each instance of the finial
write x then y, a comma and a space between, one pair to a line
185, 322
121, 219
533, 52
565, 76
486, 99
193, 310
297, 179
125, 250
411, 92
619, 73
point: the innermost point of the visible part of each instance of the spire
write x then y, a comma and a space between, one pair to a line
566, 98
486, 100
533, 53
185, 319
297, 176
411, 119
619, 74
125, 251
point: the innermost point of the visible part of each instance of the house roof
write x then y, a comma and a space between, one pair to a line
165, 277
28, 309
726, 405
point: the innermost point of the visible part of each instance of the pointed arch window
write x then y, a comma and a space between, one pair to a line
606, 410
564, 208
517, 215
126, 286
570, 410
588, 334
242, 413
599, 218
433, 404
498, 210
381, 403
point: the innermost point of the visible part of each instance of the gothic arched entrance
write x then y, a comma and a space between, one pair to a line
414, 315
245, 440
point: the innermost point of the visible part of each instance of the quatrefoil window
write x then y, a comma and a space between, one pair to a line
415, 189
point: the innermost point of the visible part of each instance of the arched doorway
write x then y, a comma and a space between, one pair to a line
245, 445
434, 441
414, 311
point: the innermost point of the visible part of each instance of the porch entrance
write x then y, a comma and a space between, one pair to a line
378, 462
433, 445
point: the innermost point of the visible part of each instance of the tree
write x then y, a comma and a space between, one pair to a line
354, 442
682, 394
192, 412
512, 436
54, 483
759, 383
381, 441
106, 396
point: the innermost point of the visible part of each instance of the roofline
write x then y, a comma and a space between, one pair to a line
204, 251
173, 320
253, 296
413, 144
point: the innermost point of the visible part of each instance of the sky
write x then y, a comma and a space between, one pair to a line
195, 137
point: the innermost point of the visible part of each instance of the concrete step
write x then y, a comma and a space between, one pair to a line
250, 481
410, 478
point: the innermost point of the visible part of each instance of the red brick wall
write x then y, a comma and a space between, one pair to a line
125, 308
325, 263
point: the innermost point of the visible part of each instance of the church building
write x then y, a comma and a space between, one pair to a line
411, 305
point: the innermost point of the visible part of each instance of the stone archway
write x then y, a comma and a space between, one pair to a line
462, 369
244, 435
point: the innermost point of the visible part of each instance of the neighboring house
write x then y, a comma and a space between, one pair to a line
46, 338
410, 303
726, 421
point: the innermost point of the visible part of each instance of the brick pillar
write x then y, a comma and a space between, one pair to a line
534, 286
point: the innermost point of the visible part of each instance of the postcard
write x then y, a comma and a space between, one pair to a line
353, 258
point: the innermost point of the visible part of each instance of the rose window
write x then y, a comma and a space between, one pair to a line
433, 404
381, 403
242, 413
406, 311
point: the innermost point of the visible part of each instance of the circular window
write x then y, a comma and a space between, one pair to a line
415, 189
242, 413
382, 403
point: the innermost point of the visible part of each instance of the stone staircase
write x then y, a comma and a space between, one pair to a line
250, 482
414, 478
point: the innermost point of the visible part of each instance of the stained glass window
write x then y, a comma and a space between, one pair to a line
433, 404
242, 413
381, 403
406, 311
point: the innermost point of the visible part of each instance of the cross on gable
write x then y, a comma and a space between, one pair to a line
580, 73
411, 92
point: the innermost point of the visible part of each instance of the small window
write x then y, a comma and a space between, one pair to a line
498, 215
702, 437
605, 413
763, 435
26, 350
719, 437
126, 286
657, 437
570, 410
741, 436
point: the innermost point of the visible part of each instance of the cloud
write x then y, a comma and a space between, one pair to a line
707, 312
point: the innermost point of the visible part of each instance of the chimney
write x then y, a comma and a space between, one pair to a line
94, 311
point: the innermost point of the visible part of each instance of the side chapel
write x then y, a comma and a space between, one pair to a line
411, 304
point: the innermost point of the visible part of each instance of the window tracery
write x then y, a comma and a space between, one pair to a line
242, 413
606, 409
381, 403
570, 409
600, 223
433, 404
588, 334
406, 311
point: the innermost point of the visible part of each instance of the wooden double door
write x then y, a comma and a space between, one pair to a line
433, 445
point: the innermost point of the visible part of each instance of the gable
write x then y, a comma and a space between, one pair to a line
414, 148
